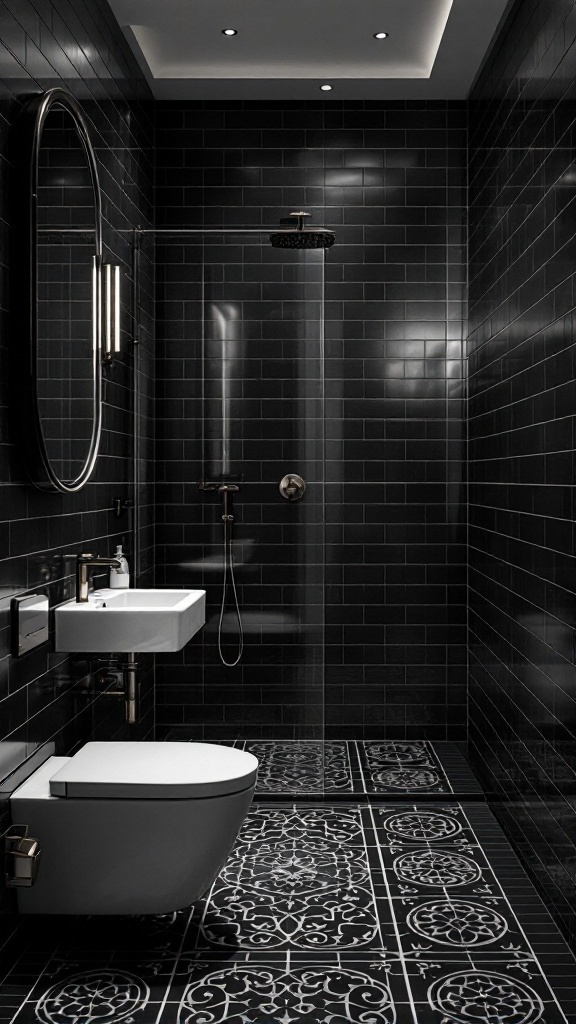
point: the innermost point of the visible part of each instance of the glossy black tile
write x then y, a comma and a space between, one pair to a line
381, 286
521, 464
46, 44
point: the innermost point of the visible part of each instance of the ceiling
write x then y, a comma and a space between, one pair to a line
285, 49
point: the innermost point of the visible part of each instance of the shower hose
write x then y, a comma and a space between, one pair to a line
228, 575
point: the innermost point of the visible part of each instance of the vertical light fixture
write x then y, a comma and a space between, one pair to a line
111, 311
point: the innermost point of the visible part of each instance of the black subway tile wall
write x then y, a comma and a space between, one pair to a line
75, 44
390, 179
522, 405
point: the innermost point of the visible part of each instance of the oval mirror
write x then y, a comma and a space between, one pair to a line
65, 279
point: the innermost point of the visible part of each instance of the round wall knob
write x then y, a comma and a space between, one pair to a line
292, 487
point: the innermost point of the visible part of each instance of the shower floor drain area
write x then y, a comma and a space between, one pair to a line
333, 913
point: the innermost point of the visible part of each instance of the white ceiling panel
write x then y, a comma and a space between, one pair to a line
284, 49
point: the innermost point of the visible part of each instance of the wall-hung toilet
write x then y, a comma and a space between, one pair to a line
132, 828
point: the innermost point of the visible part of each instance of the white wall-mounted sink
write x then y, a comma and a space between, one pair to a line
130, 620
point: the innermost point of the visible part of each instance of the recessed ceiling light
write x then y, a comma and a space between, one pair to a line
326, 88
229, 31
380, 35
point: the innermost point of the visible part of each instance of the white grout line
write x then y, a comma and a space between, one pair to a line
437, 760
364, 790
370, 876
175, 967
513, 914
393, 915
36, 980
346, 745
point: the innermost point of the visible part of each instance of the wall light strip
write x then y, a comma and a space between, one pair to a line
111, 311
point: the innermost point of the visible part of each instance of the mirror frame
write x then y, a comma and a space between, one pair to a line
41, 469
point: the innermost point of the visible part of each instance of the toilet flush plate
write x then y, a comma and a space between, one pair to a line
130, 620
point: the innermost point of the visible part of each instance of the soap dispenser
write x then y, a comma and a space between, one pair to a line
120, 577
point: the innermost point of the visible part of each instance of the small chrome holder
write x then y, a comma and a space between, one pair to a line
21, 857
29, 617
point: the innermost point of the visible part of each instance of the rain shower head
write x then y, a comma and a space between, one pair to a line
299, 237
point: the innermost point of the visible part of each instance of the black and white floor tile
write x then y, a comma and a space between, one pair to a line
342, 913
391, 766
414, 768
306, 766
341, 768
299, 879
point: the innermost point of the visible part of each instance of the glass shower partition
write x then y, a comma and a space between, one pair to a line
243, 403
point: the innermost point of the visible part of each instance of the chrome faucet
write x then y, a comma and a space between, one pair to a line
83, 564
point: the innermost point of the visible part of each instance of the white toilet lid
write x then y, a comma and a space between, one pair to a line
152, 771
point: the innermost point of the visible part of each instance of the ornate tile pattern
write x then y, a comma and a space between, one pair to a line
474, 991
250, 993
460, 924
392, 766
104, 995
296, 880
317, 827
305, 766
342, 914
378, 767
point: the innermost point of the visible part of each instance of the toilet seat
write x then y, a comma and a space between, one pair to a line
154, 771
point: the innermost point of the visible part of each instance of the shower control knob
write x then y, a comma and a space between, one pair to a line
292, 487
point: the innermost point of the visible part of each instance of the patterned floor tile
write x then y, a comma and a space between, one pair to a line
148, 1014
476, 990
426, 871
297, 879
305, 766
372, 767
345, 992
448, 923
318, 827
406, 825
392, 766
106, 995
326, 913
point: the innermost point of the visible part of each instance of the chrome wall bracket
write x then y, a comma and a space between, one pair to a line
21, 858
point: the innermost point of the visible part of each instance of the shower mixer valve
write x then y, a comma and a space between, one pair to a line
227, 490
292, 487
